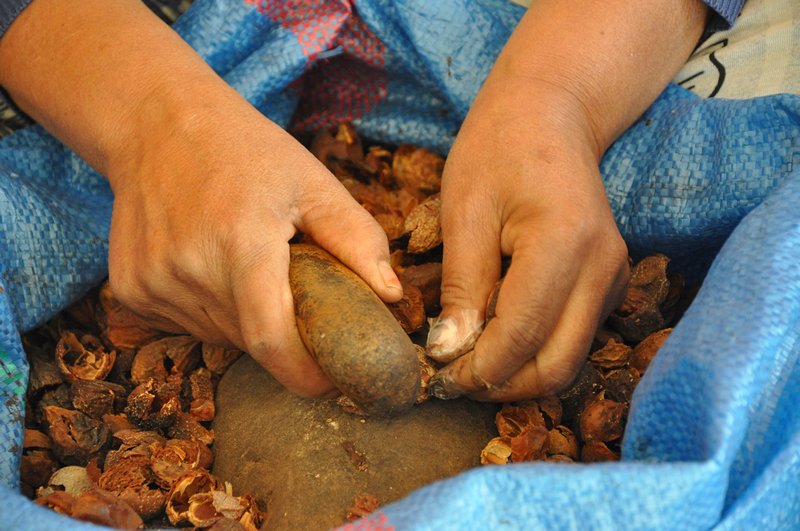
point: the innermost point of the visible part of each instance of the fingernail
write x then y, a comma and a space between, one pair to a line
444, 387
449, 337
389, 277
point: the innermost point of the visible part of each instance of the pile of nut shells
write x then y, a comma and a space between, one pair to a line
586, 422
116, 424
117, 420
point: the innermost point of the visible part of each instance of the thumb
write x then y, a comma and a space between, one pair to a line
470, 269
345, 229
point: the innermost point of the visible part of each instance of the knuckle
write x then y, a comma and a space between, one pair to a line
524, 336
556, 379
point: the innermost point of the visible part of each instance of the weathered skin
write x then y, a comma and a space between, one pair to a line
352, 334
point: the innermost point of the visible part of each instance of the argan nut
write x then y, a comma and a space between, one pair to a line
530, 445
558, 458
427, 278
426, 372
424, 226
76, 437
583, 390
410, 310
174, 458
620, 384
638, 317
38, 462
120, 327
156, 359
187, 427
612, 355
206, 508
218, 359
44, 373
603, 335
646, 350
133, 442
337, 143
650, 275
97, 397
201, 405
594, 451
677, 284
379, 160
153, 404
117, 422
133, 481
392, 224
562, 441
58, 501
551, 409
603, 420
253, 517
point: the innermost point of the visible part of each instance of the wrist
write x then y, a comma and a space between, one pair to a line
535, 116
157, 126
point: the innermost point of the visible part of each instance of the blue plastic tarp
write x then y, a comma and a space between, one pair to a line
713, 438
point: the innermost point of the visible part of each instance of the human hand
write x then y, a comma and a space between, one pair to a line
208, 191
534, 193
522, 180
200, 229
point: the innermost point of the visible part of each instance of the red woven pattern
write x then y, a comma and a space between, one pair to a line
341, 88
373, 522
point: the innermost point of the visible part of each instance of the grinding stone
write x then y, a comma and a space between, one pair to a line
306, 460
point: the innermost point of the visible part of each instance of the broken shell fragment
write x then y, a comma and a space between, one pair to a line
424, 226
497, 451
76, 437
103, 508
646, 350
185, 487
562, 441
72, 479
84, 359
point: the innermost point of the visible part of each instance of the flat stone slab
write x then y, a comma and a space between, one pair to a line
306, 460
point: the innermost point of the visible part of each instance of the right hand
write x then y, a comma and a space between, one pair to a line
203, 213
207, 190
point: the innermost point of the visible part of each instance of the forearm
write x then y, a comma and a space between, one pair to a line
596, 65
99, 74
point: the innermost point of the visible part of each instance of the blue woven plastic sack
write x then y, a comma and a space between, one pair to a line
713, 438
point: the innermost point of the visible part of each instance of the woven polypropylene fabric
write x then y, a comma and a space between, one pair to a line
713, 439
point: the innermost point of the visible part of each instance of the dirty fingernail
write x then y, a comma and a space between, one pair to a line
449, 337
444, 387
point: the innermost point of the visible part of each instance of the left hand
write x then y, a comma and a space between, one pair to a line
523, 180
531, 191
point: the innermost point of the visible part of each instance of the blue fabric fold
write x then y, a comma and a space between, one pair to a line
713, 438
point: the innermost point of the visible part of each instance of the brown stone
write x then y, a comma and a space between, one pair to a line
305, 460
